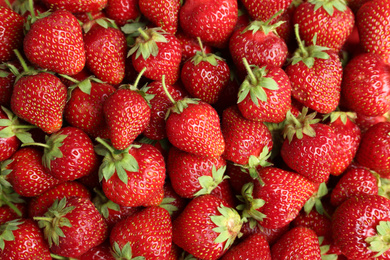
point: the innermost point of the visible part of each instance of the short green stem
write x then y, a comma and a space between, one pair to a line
31, 9
12, 206
250, 72
300, 43
100, 194
43, 218
36, 144
166, 90
201, 47
136, 82
106, 145
273, 17
69, 78
21, 60
143, 34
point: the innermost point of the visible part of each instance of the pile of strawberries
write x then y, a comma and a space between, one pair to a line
213, 129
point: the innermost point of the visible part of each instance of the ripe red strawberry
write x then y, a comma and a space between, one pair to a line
82, 6
206, 228
163, 14
356, 4
22, 239
299, 243
373, 30
12, 33
105, 50
122, 10
102, 251
365, 122
29, 177
7, 80
265, 94
198, 19
147, 233
159, 53
259, 45
359, 224
172, 202
254, 246
7, 213
39, 205
132, 177
271, 235
266, 205
332, 21
374, 149
189, 46
55, 42
72, 226
263, 10
309, 146
205, 76
368, 94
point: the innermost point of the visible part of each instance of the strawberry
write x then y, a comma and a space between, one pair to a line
253, 246
315, 73
260, 38
22, 239
359, 225
7, 80
189, 46
198, 19
12, 33
163, 14
40, 204
356, 4
82, 6
159, 53
263, 10
206, 228
102, 251
271, 235
72, 226
309, 146
373, 30
299, 243
374, 149
365, 122
55, 42
368, 94
172, 202
332, 21
122, 10
7, 213
205, 76
131, 177
355, 181
147, 233
29, 177
265, 94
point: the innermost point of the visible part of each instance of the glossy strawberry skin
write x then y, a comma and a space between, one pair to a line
40, 100
83, 6
7, 214
28, 243
12, 33
374, 149
254, 246
99, 252
149, 233
189, 45
164, 13
50, 41
122, 10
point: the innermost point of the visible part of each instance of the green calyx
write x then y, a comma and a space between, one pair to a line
308, 54
201, 56
315, 200
103, 22
115, 161
146, 42
325, 249
6, 233
7, 195
329, 5
32, 18
228, 225
12, 127
344, 116
84, 85
250, 206
264, 27
209, 183
53, 220
103, 204
380, 242
383, 185
168, 206
125, 253
298, 126
255, 83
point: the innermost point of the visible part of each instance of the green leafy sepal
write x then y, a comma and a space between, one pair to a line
12, 127
209, 183
6, 233
125, 253
146, 43
380, 242
329, 5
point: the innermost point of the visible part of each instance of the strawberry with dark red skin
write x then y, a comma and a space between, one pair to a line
163, 14
365, 122
263, 10
308, 147
159, 52
368, 94
299, 242
259, 44
50, 40
7, 213
315, 73
132, 177
332, 21
271, 235
82, 6
147, 233
99, 252
206, 228
253, 246
189, 46
172, 201
7, 80
105, 50
374, 149
265, 94
359, 239
212, 21
356, 4
72, 226
12, 33
373, 30
22, 239
205, 76
122, 10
